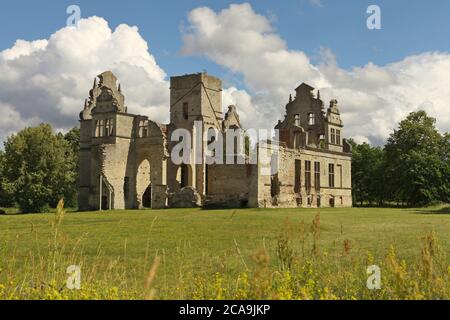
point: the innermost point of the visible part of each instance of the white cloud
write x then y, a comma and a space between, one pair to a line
48, 80
372, 98
316, 3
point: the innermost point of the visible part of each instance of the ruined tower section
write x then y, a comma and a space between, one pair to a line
123, 156
106, 132
314, 161
194, 99
304, 123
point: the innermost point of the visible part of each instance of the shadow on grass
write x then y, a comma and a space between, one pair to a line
443, 210
17, 212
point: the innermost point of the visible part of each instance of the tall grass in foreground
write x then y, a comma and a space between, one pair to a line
295, 268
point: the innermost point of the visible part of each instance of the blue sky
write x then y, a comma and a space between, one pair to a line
408, 26
261, 49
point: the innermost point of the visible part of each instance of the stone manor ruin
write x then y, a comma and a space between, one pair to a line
125, 160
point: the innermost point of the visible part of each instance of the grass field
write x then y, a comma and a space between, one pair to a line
248, 253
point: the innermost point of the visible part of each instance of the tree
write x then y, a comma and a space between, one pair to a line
367, 167
415, 161
73, 139
39, 168
5, 200
445, 161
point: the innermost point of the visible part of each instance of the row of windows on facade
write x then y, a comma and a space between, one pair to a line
308, 175
335, 137
311, 119
104, 128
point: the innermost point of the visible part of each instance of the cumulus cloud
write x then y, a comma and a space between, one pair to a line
372, 98
48, 80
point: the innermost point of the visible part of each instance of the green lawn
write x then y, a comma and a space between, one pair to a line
221, 241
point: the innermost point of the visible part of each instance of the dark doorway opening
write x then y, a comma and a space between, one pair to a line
185, 176
105, 204
147, 198
332, 202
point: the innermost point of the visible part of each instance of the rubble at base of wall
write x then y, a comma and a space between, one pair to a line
217, 202
185, 198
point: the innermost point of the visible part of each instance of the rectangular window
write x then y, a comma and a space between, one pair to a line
317, 175
338, 137
99, 128
102, 128
311, 119
143, 128
333, 136
308, 175
185, 111
109, 127
331, 175
298, 176
96, 128
297, 120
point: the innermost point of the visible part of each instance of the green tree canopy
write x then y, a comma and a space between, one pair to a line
39, 168
367, 173
413, 168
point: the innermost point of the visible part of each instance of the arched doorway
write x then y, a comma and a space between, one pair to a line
143, 185
106, 194
147, 197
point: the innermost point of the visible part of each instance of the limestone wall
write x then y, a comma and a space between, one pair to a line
229, 185
287, 196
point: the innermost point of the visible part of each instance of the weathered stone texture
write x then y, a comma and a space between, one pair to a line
125, 159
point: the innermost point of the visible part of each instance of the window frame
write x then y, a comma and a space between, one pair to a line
308, 175
331, 175
311, 119
317, 175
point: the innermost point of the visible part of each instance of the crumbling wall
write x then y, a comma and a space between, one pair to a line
230, 185
282, 181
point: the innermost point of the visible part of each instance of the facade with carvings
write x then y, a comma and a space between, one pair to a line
125, 158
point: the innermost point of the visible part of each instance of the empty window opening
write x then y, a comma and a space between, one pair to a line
333, 136
185, 111
308, 175
298, 176
143, 128
109, 129
331, 175
311, 119
317, 175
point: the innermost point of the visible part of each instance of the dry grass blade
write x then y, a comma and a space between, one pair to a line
149, 291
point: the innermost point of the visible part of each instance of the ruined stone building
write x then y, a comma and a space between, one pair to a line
125, 158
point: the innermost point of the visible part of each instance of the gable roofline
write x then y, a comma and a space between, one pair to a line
304, 86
